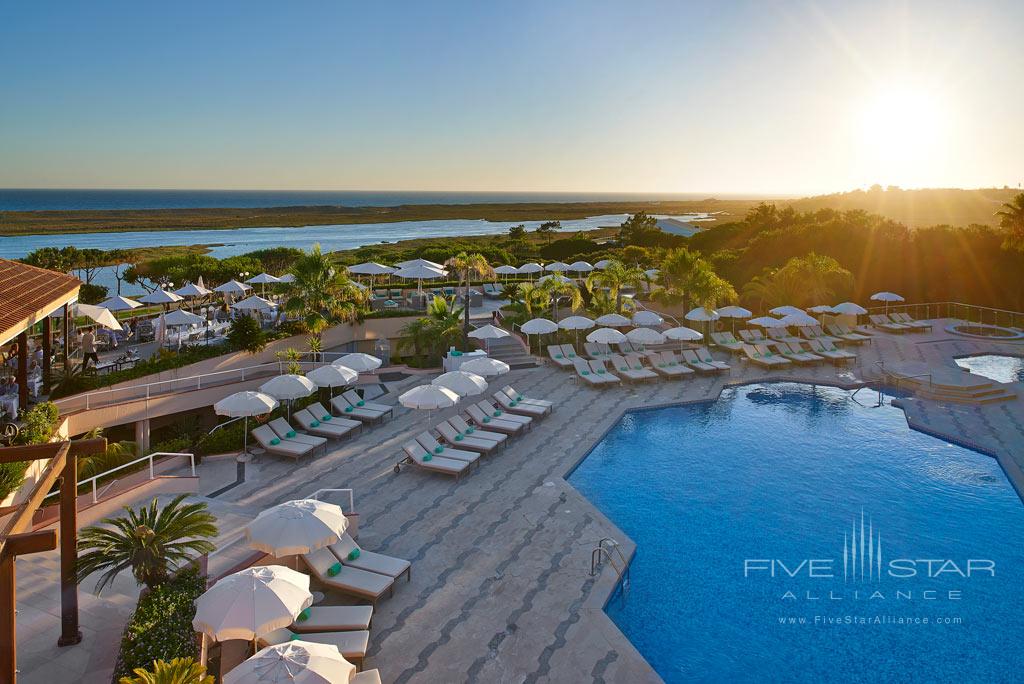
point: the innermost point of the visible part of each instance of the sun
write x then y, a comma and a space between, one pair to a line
902, 134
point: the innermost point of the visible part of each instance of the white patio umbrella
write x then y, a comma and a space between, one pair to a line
182, 317
190, 290
371, 268
428, 398
419, 273
652, 273
576, 323
97, 314
332, 376
530, 268
288, 387
244, 405
786, 310
360, 363
252, 602
683, 334
606, 336
505, 270
554, 276
849, 309
557, 267
253, 303
602, 264
295, 527
485, 366
488, 332
287, 278
733, 312
767, 322
263, 279
702, 314
463, 383
120, 303
294, 662
886, 297
538, 326
581, 267
645, 336
613, 319
420, 262
799, 319
160, 296
646, 317
232, 287
821, 309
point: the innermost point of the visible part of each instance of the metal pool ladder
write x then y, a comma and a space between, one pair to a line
602, 552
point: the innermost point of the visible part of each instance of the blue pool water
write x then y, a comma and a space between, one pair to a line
714, 493
996, 367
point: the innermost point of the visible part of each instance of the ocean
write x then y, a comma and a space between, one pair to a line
52, 200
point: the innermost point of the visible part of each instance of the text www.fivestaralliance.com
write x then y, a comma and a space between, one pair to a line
867, 620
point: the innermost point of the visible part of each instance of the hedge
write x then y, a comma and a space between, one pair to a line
161, 626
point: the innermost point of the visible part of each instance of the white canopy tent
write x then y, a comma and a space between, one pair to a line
119, 303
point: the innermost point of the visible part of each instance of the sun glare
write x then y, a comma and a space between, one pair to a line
902, 135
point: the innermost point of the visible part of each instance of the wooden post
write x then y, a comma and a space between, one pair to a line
69, 632
47, 353
67, 337
8, 634
23, 371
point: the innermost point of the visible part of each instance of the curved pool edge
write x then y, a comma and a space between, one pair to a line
606, 585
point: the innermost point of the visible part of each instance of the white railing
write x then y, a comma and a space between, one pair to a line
95, 478
118, 395
958, 310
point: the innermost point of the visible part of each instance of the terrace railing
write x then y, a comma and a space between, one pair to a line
958, 310
151, 458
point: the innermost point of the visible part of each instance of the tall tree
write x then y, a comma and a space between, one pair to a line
321, 293
554, 289
468, 266
616, 276
152, 542
1011, 219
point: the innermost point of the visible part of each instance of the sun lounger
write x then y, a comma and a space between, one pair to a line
460, 424
336, 428
420, 457
599, 369
326, 567
289, 434
632, 372
556, 354
905, 319
492, 291
691, 359
470, 442
597, 351
847, 335
347, 409
726, 340
882, 322
782, 335
586, 374
512, 394
569, 351
760, 355
357, 401
794, 352
351, 556
756, 337
667, 365
704, 354
829, 351
520, 407
486, 422
429, 443
813, 332
366, 677
333, 619
273, 444
493, 412
352, 645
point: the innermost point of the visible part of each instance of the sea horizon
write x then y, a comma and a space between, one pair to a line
74, 199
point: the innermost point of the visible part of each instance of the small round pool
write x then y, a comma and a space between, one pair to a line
985, 331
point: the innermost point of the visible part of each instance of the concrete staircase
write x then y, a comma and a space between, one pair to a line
511, 351
948, 385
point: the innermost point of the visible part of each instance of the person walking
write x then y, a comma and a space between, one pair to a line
89, 349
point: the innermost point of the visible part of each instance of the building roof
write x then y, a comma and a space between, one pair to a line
29, 294
678, 227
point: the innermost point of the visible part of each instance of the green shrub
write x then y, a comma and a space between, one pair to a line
245, 334
11, 477
39, 424
174, 445
161, 626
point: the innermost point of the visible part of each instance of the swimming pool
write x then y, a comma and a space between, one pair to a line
774, 476
996, 367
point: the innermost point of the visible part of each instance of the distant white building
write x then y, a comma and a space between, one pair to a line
677, 227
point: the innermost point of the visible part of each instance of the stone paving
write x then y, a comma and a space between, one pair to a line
501, 588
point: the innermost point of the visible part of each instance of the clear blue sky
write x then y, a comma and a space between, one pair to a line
585, 96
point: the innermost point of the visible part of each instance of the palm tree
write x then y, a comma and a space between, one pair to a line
553, 289
431, 334
177, 671
321, 293
152, 541
802, 281
1011, 219
467, 266
117, 453
616, 276
675, 274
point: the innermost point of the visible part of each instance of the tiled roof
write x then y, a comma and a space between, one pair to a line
28, 294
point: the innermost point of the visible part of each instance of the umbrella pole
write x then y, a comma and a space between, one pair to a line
245, 443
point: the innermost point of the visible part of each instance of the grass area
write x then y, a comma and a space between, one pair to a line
30, 222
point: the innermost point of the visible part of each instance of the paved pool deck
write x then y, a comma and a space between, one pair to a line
501, 589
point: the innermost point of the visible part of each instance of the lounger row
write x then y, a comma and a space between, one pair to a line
462, 443
899, 323
637, 367
787, 353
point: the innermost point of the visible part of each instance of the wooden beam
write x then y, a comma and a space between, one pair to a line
69, 632
31, 542
34, 452
17, 544
47, 354
22, 372
22, 520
